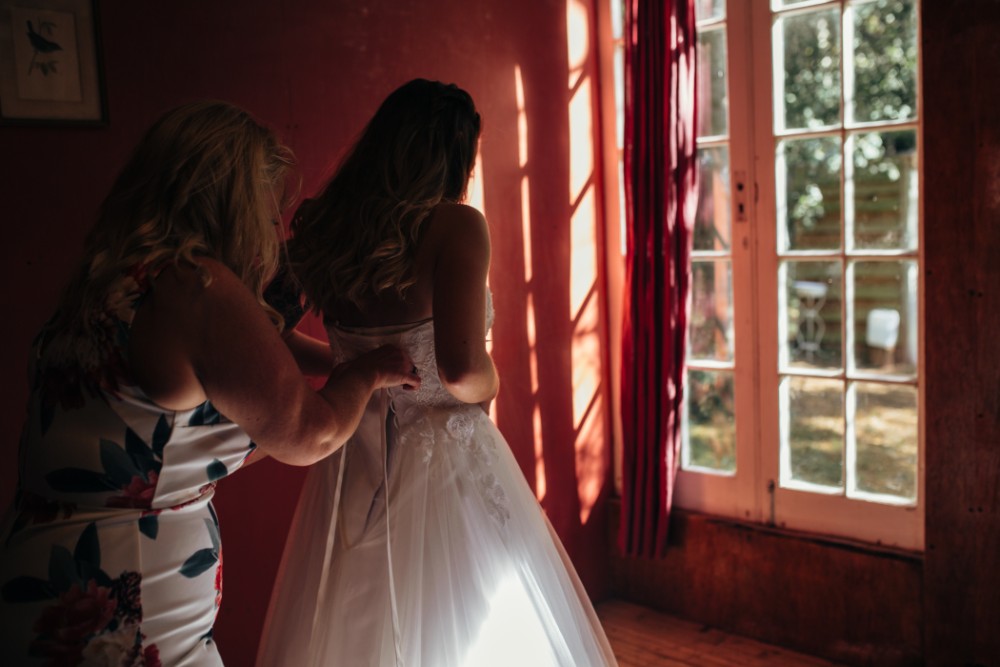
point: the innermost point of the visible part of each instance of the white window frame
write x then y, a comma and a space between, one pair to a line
733, 495
753, 492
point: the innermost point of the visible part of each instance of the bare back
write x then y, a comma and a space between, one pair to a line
451, 264
388, 309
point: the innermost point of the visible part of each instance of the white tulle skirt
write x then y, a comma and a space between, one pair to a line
421, 544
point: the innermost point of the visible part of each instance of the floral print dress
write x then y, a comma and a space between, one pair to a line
111, 553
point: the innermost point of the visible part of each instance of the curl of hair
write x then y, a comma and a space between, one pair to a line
357, 238
204, 181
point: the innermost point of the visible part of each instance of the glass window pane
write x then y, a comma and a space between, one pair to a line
883, 191
807, 46
712, 229
708, 10
808, 181
885, 433
885, 61
711, 327
810, 317
709, 421
812, 431
884, 315
713, 97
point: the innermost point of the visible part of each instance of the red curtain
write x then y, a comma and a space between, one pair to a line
660, 205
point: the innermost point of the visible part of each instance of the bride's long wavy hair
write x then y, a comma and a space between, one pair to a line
356, 239
207, 179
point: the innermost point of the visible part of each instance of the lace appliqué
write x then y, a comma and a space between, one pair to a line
461, 428
494, 497
430, 417
418, 432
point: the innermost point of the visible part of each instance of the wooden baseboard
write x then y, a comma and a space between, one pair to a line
845, 601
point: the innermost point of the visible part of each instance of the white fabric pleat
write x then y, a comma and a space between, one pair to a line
421, 545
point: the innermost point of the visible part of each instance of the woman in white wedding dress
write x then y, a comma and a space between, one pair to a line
420, 543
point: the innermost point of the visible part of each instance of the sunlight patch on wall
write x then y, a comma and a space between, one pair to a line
586, 357
577, 37
584, 301
536, 420
532, 337
526, 227
522, 118
475, 196
581, 139
588, 408
590, 458
583, 252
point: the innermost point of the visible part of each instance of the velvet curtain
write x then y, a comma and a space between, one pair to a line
660, 205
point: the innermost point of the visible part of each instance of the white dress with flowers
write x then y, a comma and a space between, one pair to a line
111, 554
421, 544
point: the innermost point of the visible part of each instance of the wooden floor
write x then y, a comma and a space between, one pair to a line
642, 637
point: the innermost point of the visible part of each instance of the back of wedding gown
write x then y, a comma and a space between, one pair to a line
421, 544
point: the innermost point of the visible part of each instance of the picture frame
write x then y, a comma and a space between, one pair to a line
50, 63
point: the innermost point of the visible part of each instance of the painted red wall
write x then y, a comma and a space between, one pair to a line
315, 70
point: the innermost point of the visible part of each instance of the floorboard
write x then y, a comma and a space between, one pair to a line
642, 637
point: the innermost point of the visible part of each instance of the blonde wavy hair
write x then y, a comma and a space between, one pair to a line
356, 239
206, 180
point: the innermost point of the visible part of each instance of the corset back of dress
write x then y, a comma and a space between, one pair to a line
417, 339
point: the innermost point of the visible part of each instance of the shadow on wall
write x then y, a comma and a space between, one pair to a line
554, 400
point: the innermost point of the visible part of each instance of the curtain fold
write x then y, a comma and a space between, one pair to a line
660, 206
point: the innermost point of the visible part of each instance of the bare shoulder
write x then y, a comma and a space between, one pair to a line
461, 227
178, 325
208, 283
194, 278
456, 212
189, 302
451, 214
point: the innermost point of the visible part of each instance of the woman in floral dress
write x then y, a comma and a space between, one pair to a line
163, 371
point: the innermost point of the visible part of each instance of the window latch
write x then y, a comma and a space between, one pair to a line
740, 198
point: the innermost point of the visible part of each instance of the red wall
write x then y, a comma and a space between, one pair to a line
315, 70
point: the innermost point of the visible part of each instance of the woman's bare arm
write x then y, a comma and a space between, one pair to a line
312, 355
191, 343
460, 270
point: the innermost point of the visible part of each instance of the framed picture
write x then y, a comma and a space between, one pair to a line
50, 63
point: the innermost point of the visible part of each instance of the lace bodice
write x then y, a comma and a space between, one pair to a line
417, 339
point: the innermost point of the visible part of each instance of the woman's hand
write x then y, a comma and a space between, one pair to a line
388, 365
311, 354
